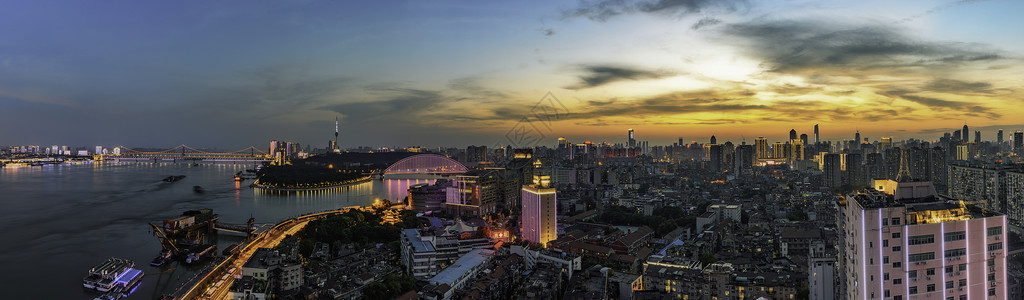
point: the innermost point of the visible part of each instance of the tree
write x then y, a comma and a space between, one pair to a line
708, 258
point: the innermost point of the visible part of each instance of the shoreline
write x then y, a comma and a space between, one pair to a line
279, 189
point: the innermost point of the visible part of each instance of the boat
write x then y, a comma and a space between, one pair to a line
174, 178
113, 274
161, 259
198, 189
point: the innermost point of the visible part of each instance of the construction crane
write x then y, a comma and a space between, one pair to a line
166, 242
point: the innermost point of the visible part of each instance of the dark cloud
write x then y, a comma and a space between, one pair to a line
792, 46
965, 108
605, 9
705, 22
548, 32
597, 75
957, 86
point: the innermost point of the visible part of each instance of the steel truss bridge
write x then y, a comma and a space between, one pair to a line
183, 152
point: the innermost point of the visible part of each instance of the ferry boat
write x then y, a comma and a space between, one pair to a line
113, 274
174, 178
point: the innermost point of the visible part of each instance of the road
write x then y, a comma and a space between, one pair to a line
221, 283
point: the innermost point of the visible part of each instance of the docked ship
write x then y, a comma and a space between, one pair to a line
161, 259
114, 277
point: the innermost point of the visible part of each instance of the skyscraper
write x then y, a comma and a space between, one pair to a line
816, 140
856, 139
977, 136
792, 134
966, 133
632, 141
999, 138
901, 242
714, 141
803, 137
539, 208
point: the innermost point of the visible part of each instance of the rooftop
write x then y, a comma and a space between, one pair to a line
462, 266
418, 245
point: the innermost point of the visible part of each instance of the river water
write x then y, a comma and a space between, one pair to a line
58, 221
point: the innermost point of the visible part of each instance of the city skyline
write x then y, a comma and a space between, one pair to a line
433, 74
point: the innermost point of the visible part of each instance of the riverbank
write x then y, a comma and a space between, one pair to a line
258, 185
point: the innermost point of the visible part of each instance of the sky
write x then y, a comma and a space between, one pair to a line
233, 74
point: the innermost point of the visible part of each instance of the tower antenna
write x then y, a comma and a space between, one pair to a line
904, 173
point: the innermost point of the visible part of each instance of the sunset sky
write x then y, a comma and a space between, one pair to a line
232, 74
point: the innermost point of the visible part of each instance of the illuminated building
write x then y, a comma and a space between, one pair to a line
425, 197
778, 150
539, 207
761, 148
796, 150
900, 241
476, 192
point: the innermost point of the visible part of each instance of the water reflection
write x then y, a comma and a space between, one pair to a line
361, 194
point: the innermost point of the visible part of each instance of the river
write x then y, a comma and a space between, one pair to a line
58, 221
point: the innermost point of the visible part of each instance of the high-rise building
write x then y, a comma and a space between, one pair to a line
957, 136
796, 148
966, 134
803, 137
761, 148
855, 171
886, 143
977, 136
856, 139
715, 157
1018, 142
778, 150
792, 134
714, 140
632, 141
475, 154
832, 170
899, 241
744, 159
539, 211
999, 138
816, 140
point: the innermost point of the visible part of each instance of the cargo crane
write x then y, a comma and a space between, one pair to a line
169, 249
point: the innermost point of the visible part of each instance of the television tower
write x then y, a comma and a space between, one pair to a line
335, 133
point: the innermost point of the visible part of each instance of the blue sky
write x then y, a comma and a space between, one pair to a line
231, 74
